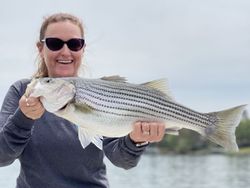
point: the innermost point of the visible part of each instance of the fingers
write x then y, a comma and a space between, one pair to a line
161, 132
31, 101
148, 131
31, 107
145, 128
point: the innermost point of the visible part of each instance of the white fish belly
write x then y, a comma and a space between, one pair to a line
101, 125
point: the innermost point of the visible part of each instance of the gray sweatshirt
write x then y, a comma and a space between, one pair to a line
50, 153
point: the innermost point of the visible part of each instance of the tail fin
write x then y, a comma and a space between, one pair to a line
224, 130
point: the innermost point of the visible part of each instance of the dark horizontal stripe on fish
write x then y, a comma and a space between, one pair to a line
136, 116
113, 113
161, 107
165, 114
155, 98
165, 107
167, 103
124, 109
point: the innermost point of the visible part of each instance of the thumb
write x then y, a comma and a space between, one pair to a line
30, 87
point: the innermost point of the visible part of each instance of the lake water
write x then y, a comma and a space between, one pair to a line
175, 171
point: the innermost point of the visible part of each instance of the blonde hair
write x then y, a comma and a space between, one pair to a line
42, 70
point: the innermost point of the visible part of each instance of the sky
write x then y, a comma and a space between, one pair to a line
200, 46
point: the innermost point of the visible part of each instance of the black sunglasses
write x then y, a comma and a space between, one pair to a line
55, 44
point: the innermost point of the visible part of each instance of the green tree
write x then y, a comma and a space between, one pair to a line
243, 134
189, 141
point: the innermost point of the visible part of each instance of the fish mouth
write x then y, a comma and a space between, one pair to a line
67, 109
64, 107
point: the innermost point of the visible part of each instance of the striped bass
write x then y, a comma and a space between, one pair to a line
109, 106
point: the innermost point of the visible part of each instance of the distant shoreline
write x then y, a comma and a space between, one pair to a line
162, 151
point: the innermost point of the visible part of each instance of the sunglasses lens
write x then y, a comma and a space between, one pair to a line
75, 44
54, 44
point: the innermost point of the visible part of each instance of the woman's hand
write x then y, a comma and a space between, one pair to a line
147, 132
31, 107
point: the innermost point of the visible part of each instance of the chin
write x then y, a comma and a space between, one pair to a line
66, 74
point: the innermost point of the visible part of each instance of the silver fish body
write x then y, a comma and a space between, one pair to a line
109, 106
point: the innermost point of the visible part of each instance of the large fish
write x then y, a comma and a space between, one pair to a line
109, 106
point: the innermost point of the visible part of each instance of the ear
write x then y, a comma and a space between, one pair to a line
39, 46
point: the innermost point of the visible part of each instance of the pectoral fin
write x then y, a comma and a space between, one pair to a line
86, 137
83, 108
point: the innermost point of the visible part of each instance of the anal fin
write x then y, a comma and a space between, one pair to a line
86, 137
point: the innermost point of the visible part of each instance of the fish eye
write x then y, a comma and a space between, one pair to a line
48, 80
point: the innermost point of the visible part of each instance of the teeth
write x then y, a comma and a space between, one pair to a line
64, 61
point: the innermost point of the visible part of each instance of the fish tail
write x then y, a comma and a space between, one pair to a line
223, 132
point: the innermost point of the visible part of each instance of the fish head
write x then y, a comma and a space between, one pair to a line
54, 93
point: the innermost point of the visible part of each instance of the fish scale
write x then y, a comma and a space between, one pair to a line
153, 96
143, 102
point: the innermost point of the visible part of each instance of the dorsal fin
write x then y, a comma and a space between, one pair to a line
114, 78
160, 85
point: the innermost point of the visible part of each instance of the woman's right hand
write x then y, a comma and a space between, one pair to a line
31, 107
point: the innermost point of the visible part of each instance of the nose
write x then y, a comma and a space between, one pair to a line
65, 50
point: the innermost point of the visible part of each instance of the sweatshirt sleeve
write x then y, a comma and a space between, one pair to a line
15, 127
122, 152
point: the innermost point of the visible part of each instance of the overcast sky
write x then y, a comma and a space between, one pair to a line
201, 46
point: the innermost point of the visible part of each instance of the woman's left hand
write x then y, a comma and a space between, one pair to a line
147, 132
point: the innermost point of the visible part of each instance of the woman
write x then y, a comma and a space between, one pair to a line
47, 146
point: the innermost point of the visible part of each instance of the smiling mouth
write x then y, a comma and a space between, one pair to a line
64, 61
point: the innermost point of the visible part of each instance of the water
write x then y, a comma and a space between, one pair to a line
185, 171
161, 171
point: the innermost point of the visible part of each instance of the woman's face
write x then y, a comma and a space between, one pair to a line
63, 62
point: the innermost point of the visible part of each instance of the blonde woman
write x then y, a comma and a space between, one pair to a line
47, 146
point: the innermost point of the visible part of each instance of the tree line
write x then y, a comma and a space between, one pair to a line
190, 141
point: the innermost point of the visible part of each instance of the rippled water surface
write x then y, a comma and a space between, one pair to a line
162, 171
